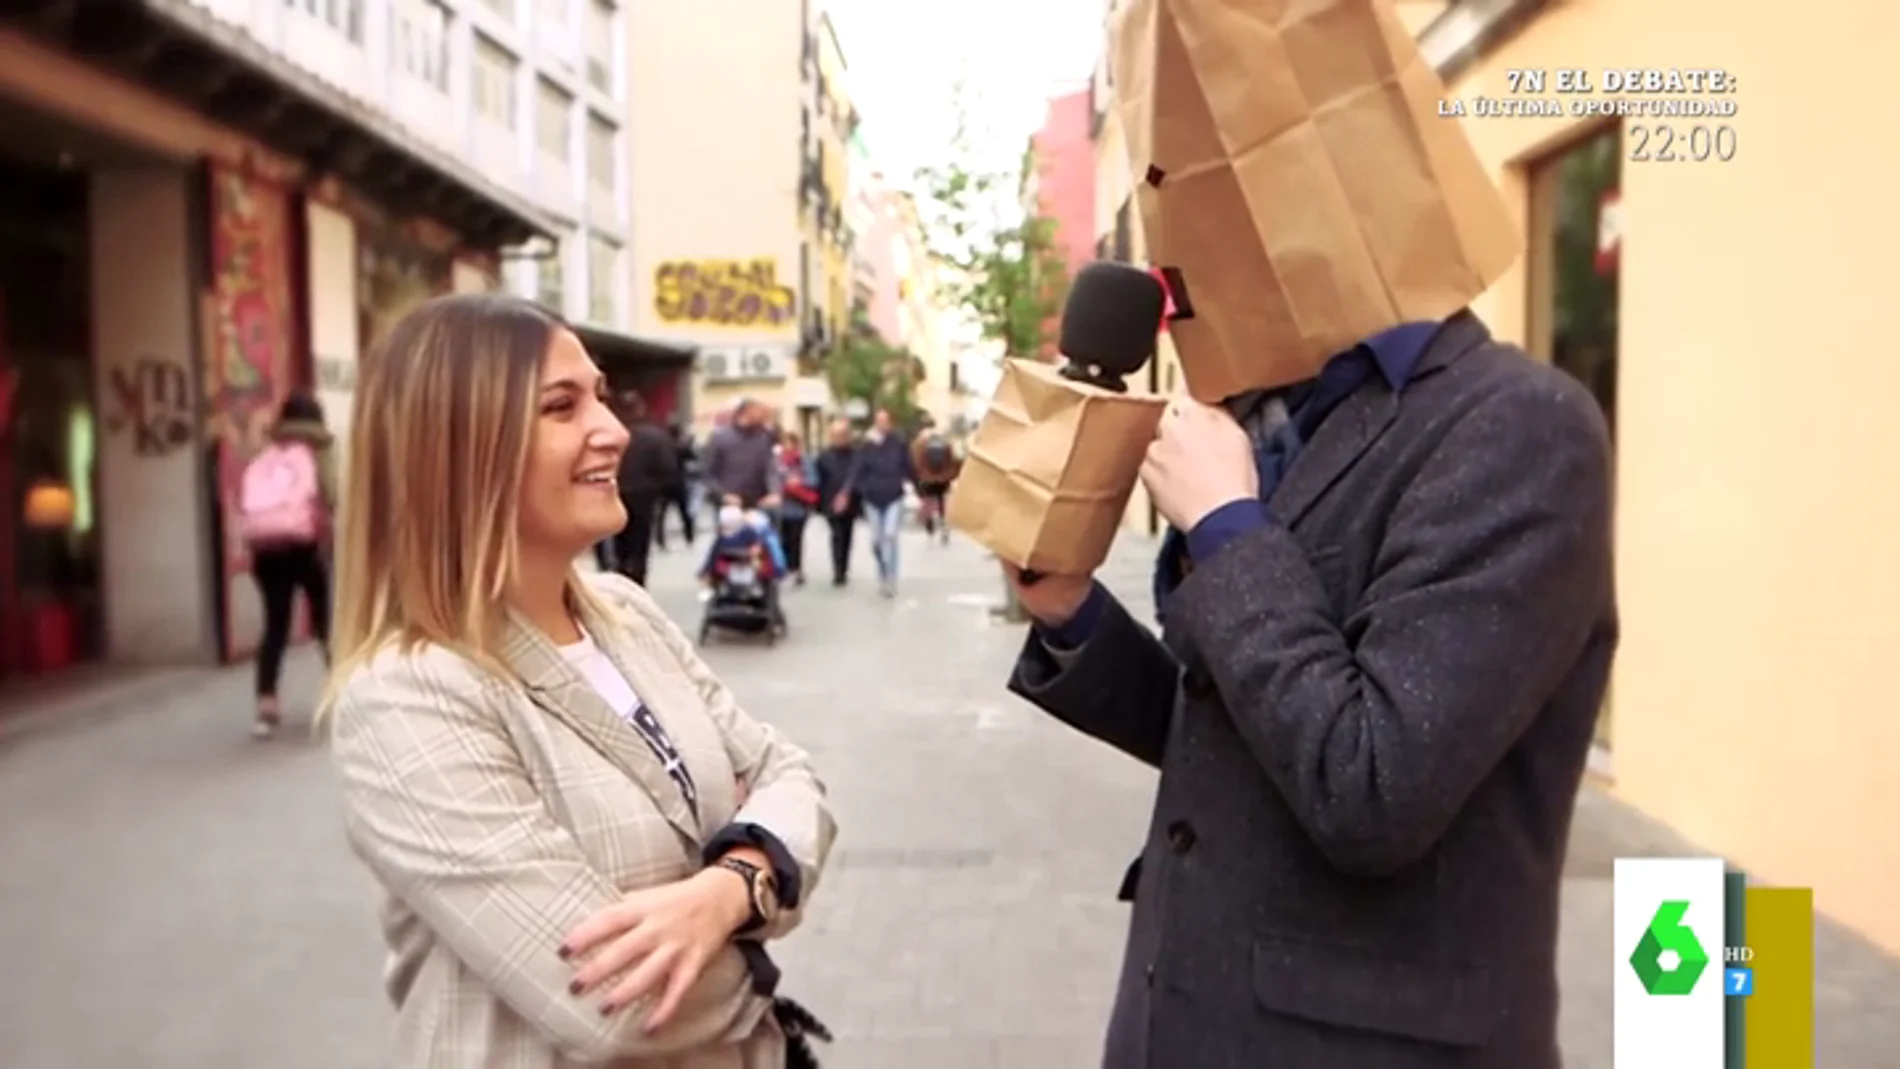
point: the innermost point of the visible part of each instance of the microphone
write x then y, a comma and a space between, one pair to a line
1110, 321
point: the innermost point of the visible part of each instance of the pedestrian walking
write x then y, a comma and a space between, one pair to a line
936, 463
646, 468
835, 497
798, 479
286, 498
879, 476
571, 874
680, 489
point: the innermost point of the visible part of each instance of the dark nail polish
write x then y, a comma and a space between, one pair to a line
606, 1008
574, 988
565, 953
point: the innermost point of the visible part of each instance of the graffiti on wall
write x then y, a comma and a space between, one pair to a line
150, 398
724, 293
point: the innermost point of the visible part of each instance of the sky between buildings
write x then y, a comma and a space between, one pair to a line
905, 57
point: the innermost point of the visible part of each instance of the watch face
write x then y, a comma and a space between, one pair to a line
765, 897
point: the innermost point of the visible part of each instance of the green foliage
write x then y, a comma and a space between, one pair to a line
997, 259
865, 367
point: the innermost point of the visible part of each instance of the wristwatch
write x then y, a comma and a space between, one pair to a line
761, 888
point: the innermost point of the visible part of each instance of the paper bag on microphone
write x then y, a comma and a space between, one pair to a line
1295, 184
1050, 469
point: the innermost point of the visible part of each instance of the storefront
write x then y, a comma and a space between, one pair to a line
658, 371
168, 274
51, 575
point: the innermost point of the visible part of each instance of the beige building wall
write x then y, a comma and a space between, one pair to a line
1757, 521
713, 155
330, 280
145, 343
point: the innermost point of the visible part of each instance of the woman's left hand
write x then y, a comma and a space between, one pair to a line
666, 935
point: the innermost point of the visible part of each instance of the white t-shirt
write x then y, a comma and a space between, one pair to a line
600, 672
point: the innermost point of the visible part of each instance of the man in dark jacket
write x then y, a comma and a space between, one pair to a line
834, 496
741, 465
878, 476
651, 461
1388, 626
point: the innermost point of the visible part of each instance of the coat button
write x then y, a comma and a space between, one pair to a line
1196, 685
1181, 836
1148, 974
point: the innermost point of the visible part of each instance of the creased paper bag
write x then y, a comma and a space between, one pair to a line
1295, 183
1048, 473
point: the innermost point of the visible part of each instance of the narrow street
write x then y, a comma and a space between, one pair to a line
174, 895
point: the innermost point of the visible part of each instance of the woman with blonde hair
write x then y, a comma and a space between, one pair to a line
583, 840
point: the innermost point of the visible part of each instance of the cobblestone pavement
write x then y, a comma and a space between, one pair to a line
176, 896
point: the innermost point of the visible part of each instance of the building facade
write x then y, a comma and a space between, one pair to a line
1063, 155
729, 255
204, 204
1714, 290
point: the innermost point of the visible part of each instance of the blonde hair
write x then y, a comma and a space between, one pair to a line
440, 430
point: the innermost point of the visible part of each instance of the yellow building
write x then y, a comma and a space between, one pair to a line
729, 179
831, 122
921, 327
1743, 344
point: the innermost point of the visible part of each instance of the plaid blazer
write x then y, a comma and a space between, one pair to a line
498, 813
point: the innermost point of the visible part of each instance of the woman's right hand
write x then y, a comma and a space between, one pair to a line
1052, 600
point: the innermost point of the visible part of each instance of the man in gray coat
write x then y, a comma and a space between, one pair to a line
1388, 626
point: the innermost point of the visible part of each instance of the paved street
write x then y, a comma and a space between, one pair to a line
176, 896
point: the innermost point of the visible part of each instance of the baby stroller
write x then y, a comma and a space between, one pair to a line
743, 575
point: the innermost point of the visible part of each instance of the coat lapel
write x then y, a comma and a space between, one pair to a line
1343, 437
555, 686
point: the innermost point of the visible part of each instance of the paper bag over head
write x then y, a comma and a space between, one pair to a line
1049, 471
1296, 186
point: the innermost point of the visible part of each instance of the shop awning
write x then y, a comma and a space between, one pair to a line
180, 49
616, 351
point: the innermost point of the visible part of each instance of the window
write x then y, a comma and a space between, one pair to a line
553, 106
600, 45
603, 279
421, 31
600, 153
494, 82
344, 16
551, 280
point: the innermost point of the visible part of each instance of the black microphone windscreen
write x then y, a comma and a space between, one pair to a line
1112, 317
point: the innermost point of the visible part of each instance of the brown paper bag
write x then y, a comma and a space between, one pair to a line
1048, 473
1295, 182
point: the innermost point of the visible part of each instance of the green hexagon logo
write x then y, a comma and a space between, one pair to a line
1667, 934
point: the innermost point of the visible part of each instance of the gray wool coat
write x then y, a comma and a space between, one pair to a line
1371, 721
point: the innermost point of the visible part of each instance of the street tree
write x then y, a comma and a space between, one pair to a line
997, 256
864, 367
996, 252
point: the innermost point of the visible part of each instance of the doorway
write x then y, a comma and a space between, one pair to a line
1574, 259
51, 573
